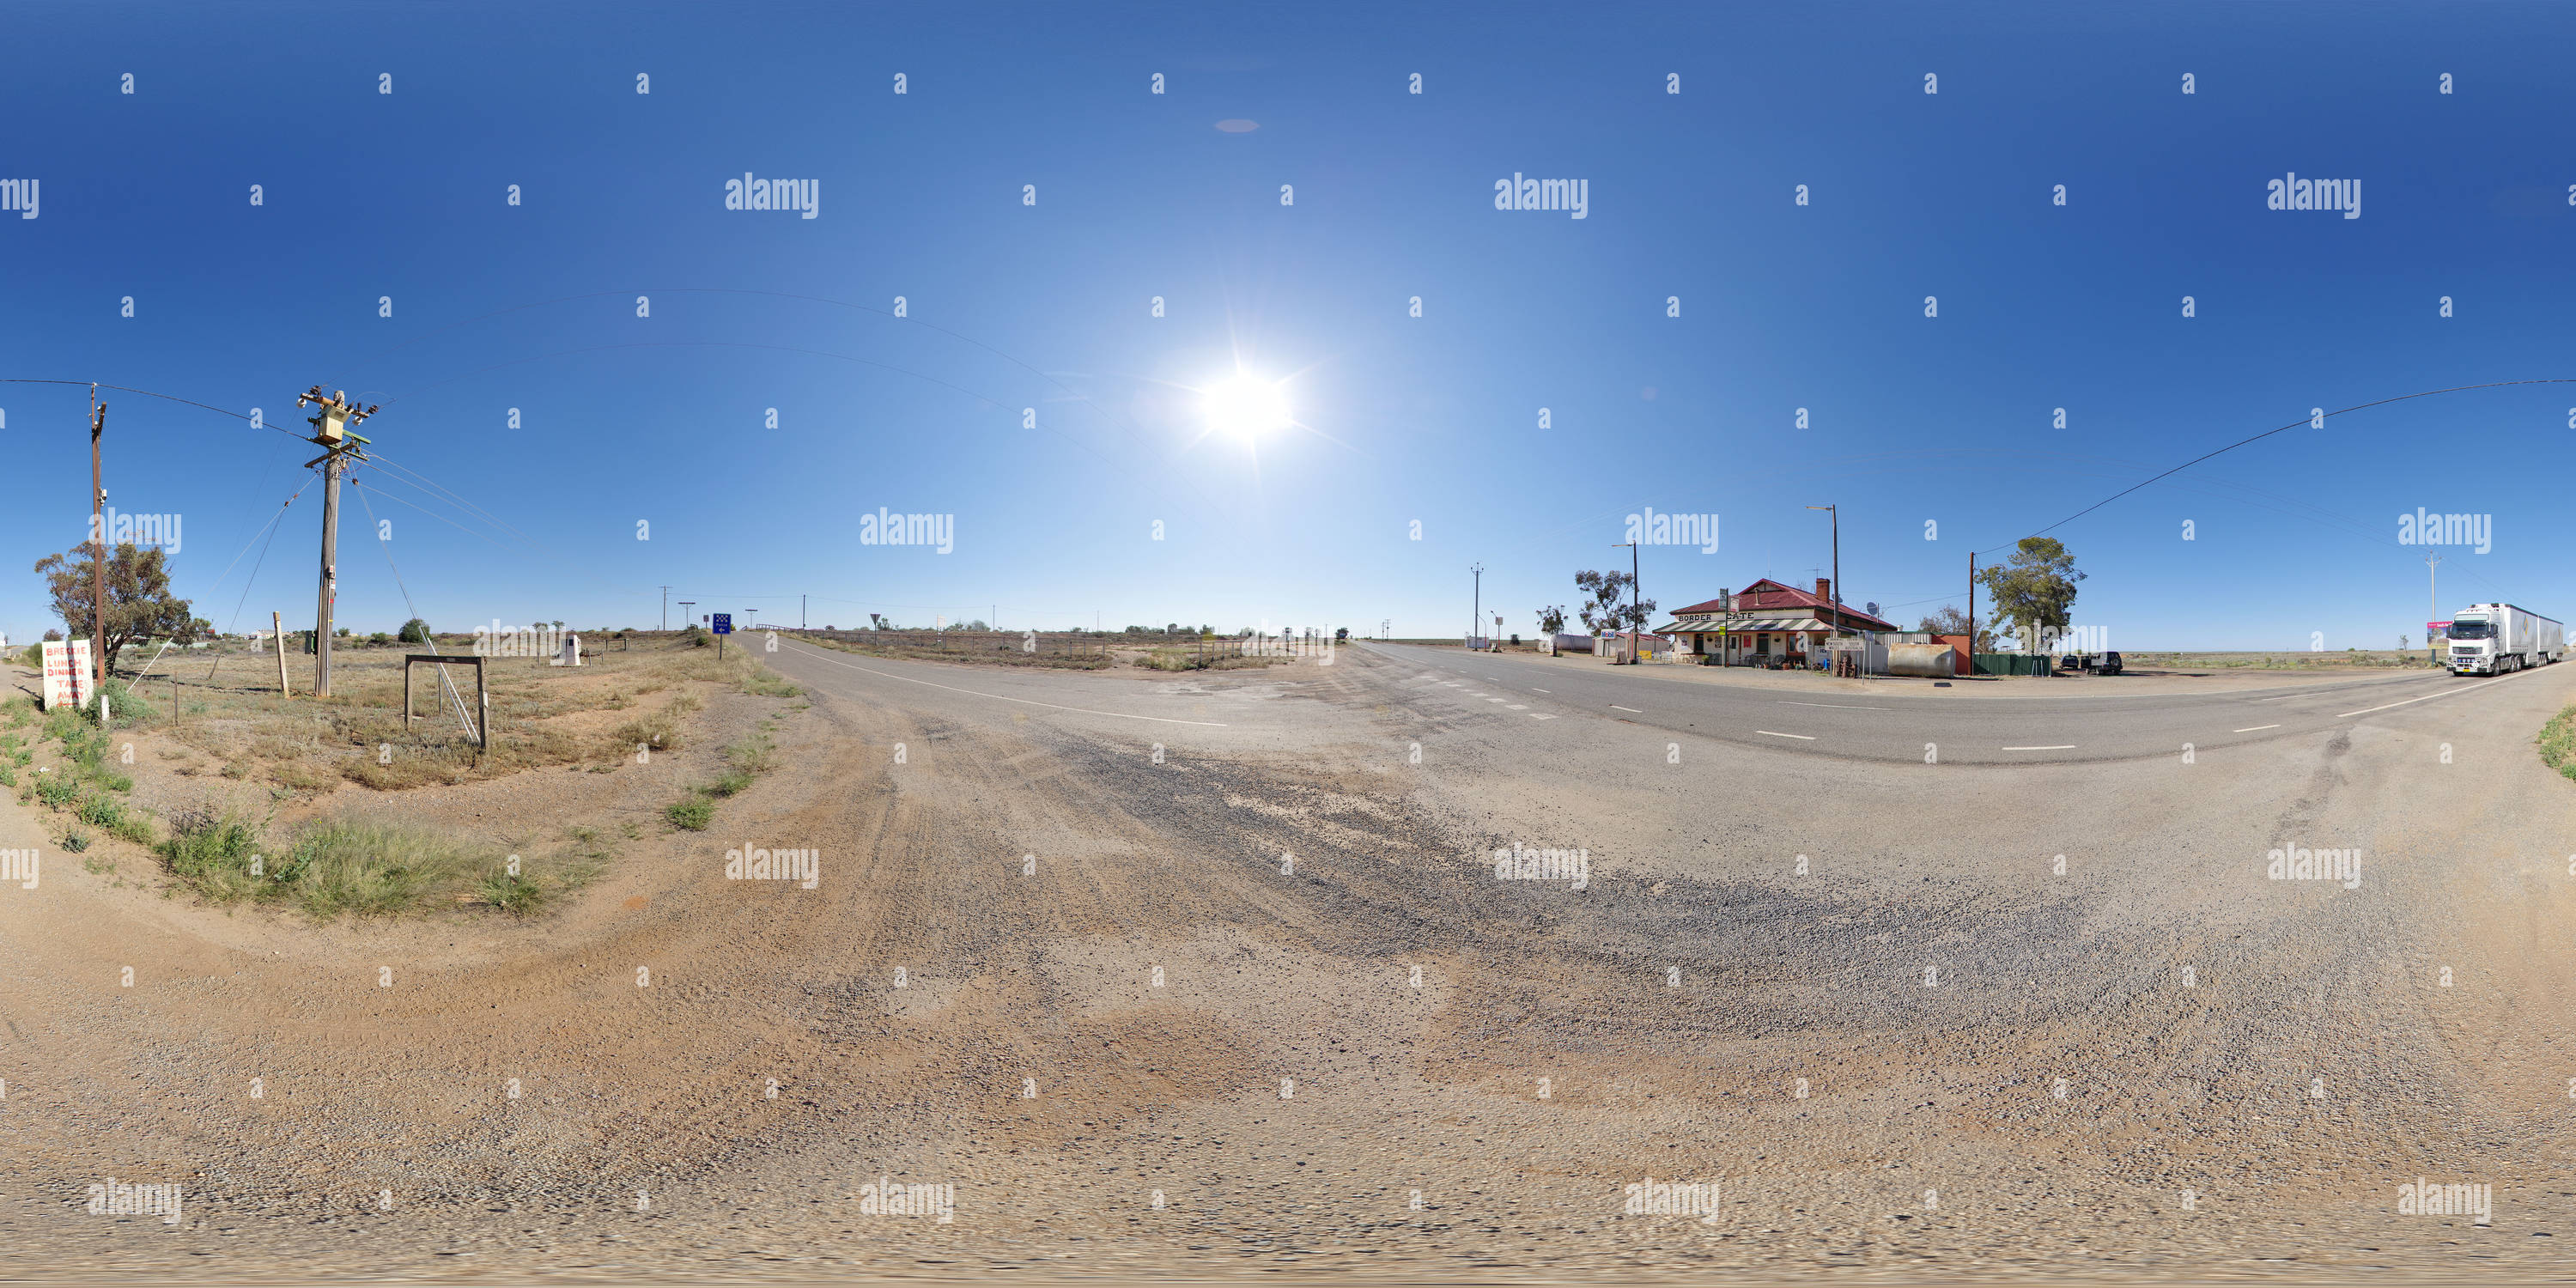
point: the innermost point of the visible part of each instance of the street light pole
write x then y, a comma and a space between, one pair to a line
1477, 612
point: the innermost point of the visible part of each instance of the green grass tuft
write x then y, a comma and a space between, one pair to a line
354, 867
2558, 742
693, 812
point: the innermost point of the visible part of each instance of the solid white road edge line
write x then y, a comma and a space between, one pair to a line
2427, 697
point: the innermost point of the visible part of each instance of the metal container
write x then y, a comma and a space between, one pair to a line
1933, 660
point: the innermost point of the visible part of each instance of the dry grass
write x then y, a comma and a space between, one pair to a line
235, 723
1188, 659
995, 649
2277, 661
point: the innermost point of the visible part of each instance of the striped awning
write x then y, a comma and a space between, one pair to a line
1744, 625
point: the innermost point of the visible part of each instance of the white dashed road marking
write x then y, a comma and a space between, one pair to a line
2060, 747
2255, 729
1806, 736
1630, 710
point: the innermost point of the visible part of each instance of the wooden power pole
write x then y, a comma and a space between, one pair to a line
330, 430
1972, 612
98, 560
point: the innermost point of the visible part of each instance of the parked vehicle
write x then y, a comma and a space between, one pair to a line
2091, 663
2498, 639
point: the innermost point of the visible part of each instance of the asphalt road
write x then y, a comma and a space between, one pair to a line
1896, 726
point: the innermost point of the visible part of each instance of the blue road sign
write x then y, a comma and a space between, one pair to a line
724, 623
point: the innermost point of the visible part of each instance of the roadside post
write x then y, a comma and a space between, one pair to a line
277, 636
723, 627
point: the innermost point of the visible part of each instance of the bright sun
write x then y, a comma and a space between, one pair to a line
1246, 407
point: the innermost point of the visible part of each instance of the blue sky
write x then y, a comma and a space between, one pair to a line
1433, 419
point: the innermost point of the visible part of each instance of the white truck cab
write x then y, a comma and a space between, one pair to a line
2497, 639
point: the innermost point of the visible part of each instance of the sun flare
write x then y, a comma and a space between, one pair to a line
1245, 406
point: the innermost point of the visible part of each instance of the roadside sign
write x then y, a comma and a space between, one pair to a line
67, 673
724, 623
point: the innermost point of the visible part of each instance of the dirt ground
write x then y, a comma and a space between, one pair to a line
1210, 975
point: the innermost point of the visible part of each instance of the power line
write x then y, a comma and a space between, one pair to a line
2309, 421
243, 416
274, 526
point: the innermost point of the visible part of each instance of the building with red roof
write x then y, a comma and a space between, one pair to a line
1769, 622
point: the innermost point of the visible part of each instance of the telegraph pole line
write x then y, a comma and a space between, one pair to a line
666, 608
331, 431
98, 560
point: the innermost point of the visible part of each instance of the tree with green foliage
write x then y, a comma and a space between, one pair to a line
1948, 620
2036, 591
415, 631
1610, 609
1551, 621
139, 603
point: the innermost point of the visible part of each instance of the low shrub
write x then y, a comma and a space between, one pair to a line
693, 812
340, 866
2558, 742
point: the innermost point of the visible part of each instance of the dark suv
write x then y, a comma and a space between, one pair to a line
2091, 663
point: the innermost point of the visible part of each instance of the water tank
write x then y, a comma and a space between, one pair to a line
1933, 660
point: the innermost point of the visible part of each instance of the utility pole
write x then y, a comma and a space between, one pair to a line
1838, 563
666, 608
2433, 599
1972, 612
1476, 613
800, 612
331, 431
98, 560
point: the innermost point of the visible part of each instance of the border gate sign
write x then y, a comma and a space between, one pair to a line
67, 673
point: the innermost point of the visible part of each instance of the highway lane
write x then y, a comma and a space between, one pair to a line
2088, 725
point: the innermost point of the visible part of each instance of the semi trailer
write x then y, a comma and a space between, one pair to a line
2495, 639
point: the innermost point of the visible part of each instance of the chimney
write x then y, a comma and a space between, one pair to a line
1825, 589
